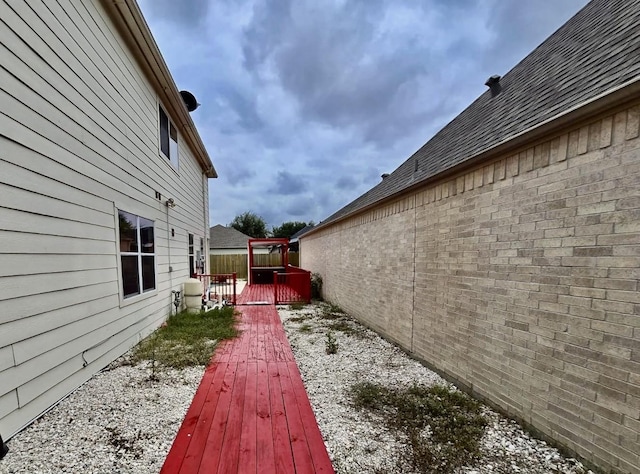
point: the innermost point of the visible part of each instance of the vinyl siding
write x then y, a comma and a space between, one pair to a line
78, 141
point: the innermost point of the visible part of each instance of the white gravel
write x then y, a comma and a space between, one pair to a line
118, 422
122, 422
359, 442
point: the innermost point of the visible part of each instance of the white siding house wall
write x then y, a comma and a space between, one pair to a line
79, 140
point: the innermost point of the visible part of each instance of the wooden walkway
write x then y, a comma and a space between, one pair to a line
251, 413
257, 294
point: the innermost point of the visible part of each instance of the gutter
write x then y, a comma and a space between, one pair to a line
131, 24
611, 99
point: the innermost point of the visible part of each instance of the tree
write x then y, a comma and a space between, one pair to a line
250, 224
287, 229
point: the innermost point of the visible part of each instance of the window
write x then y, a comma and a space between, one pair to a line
168, 138
192, 265
137, 254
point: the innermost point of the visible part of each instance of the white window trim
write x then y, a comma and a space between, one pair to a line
145, 294
174, 146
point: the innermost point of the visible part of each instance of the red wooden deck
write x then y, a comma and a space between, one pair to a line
251, 413
265, 294
253, 294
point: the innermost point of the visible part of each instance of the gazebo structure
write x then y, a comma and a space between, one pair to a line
258, 274
275, 279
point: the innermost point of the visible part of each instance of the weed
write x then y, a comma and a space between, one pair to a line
298, 305
298, 319
345, 327
187, 339
125, 445
332, 311
305, 328
443, 426
331, 344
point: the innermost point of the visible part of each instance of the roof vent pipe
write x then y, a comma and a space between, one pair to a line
493, 83
384, 175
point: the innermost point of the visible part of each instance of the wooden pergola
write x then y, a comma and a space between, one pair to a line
264, 274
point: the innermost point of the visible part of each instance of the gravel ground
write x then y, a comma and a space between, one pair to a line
122, 422
358, 442
118, 422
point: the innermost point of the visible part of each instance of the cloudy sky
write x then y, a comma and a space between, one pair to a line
305, 103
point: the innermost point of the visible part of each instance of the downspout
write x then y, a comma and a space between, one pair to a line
169, 248
205, 204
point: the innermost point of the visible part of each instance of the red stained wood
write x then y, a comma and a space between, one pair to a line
248, 437
297, 437
182, 455
282, 446
231, 440
251, 413
211, 449
183, 438
265, 449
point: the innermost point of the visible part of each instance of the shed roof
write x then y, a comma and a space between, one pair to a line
592, 55
221, 237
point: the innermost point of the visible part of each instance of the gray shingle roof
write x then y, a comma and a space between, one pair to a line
221, 237
594, 52
300, 233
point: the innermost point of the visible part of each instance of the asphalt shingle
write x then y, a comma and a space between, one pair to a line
596, 51
221, 237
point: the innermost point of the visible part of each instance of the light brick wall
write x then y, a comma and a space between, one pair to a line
519, 279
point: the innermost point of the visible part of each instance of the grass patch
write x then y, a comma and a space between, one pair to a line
297, 306
187, 339
443, 426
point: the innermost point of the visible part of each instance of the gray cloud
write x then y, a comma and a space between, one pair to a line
306, 103
346, 182
236, 173
288, 184
185, 12
301, 208
242, 104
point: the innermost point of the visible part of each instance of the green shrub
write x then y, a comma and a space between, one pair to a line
316, 286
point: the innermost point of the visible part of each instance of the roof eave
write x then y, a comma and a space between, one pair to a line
597, 105
129, 20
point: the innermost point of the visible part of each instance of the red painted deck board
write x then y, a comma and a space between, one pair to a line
265, 294
251, 413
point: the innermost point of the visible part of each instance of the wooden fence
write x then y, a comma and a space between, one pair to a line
238, 262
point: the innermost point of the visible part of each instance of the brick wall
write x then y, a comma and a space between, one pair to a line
519, 279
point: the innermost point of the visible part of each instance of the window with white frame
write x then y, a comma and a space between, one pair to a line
168, 138
137, 254
192, 263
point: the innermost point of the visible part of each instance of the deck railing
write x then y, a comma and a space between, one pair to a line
293, 286
219, 287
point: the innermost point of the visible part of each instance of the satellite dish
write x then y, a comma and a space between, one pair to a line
189, 100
